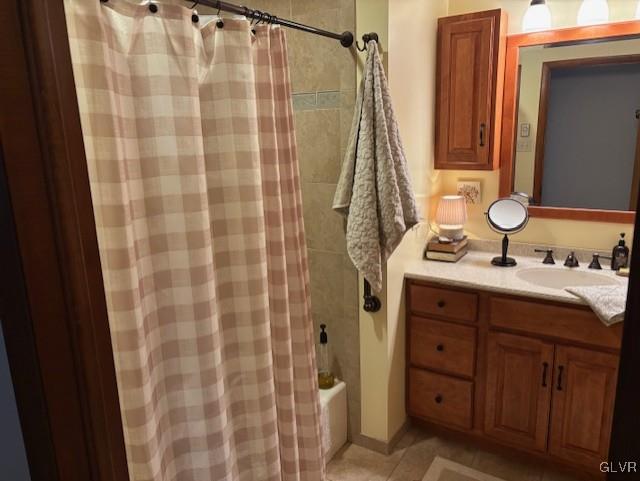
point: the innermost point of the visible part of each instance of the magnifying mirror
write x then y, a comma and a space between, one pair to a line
506, 216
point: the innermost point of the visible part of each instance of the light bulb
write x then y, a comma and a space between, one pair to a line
593, 11
537, 17
638, 12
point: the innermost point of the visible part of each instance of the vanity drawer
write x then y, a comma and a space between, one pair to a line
440, 398
561, 322
442, 346
450, 304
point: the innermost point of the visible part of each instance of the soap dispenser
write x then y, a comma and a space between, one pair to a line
620, 254
326, 379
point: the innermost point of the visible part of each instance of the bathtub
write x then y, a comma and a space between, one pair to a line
333, 418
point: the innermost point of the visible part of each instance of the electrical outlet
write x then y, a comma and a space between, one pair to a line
524, 145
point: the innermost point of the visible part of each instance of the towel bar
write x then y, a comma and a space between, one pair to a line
371, 302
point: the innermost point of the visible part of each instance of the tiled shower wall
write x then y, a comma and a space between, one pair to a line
323, 75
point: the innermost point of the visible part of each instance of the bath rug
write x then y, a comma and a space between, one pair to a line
446, 470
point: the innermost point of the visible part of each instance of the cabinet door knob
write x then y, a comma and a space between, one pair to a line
441, 304
545, 368
440, 347
482, 129
438, 398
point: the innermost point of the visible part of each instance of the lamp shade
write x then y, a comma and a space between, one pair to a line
452, 212
593, 12
537, 17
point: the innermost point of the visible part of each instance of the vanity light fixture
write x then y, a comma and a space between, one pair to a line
593, 11
537, 17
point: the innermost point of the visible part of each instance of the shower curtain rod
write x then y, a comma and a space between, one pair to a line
346, 38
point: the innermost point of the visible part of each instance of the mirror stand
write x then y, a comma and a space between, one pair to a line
506, 216
503, 260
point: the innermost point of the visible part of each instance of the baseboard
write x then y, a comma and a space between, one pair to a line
378, 445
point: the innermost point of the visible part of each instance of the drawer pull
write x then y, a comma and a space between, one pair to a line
441, 304
440, 347
560, 371
545, 368
438, 399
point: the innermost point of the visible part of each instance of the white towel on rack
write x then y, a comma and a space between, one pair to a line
374, 191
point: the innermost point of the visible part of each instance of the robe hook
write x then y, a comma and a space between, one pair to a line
366, 38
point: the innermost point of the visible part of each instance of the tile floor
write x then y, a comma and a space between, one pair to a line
413, 456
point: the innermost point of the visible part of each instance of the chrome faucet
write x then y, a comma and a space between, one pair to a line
572, 260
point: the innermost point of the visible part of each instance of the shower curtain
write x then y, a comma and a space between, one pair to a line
194, 178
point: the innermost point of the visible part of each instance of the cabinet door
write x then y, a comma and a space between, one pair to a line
518, 395
584, 387
464, 92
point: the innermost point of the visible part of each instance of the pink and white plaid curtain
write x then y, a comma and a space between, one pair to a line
194, 176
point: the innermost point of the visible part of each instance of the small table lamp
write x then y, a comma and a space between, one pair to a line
450, 217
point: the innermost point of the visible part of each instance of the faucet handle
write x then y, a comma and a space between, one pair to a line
572, 260
548, 259
595, 262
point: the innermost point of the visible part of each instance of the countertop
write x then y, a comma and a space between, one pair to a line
475, 271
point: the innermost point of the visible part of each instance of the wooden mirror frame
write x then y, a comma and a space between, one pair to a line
510, 106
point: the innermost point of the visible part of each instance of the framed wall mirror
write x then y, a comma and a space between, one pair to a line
571, 125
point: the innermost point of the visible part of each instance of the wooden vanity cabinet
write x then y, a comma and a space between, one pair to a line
582, 405
469, 81
518, 396
525, 374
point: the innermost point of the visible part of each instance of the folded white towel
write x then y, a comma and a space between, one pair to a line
608, 302
374, 191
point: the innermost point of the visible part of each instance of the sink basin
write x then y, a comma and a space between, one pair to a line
561, 278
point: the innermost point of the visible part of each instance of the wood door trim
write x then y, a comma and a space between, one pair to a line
51, 202
625, 442
635, 182
509, 110
17, 328
595, 215
543, 108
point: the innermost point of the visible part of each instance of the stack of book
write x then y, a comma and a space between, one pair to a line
445, 251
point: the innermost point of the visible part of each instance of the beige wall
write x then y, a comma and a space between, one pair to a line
372, 16
563, 12
406, 27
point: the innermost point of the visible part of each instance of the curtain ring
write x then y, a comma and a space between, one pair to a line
220, 22
194, 16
